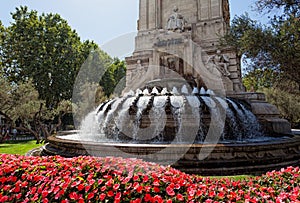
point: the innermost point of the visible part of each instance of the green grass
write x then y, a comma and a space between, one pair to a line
234, 178
18, 147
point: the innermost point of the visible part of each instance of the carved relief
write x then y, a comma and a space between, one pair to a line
220, 62
171, 63
136, 73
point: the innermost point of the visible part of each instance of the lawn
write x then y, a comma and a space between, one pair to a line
18, 147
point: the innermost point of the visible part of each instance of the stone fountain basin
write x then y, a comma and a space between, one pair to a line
223, 158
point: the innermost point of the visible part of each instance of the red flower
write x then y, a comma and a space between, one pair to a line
4, 199
80, 200
87, 188
221, 195
136, 201
103, 188
73, 196
102, 196
158, 199
116, 186
179, 197
100, 181
90, 196
118, 197
140, 189
136, 178
156, 189
156, 182
44, 193
145, 179
110, 193
148, 198
170, 191
212, 194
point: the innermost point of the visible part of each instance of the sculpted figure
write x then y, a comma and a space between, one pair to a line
176, 21
220, 62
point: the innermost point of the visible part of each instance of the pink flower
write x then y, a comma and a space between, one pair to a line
90, 196
73, 196
170, 191
116, 186
102, 196
180, 197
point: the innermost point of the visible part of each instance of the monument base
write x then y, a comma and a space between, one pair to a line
222, 159
267, 114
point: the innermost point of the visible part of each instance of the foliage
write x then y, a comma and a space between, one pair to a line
91, 179
45, 49
257, 79
279, 91
91, 95
113, 75
41, 57
98, 77
21, 106
2, 37
5, 95
241, 31
288, 103
288, 6
89, 92
275, 46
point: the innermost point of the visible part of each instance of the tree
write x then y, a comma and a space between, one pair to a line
90, 96
289, 6
46, 49
275, 46
272, 53
21, 106
258, 79
287, 103
113, 75
2, 37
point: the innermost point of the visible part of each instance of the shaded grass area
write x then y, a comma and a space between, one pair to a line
18, 147
234, 178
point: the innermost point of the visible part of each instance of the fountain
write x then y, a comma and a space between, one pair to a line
184, 103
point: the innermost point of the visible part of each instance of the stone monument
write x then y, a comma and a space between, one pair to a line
192, 129
180, 39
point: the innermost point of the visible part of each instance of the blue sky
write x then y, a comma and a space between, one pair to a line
107, 22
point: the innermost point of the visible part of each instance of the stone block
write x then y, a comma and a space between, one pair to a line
264, 109
276, 126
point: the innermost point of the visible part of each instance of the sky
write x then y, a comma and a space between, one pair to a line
110, 23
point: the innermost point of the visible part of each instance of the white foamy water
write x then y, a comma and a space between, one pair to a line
177, 101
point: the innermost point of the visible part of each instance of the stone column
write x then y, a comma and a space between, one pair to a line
143, 15
159, 14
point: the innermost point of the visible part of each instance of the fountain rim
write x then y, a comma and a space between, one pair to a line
285, 139
223, 159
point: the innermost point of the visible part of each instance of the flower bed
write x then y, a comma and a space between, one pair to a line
91, 179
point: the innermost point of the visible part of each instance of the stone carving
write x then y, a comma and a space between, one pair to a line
176, 21
140, 70
220, 62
